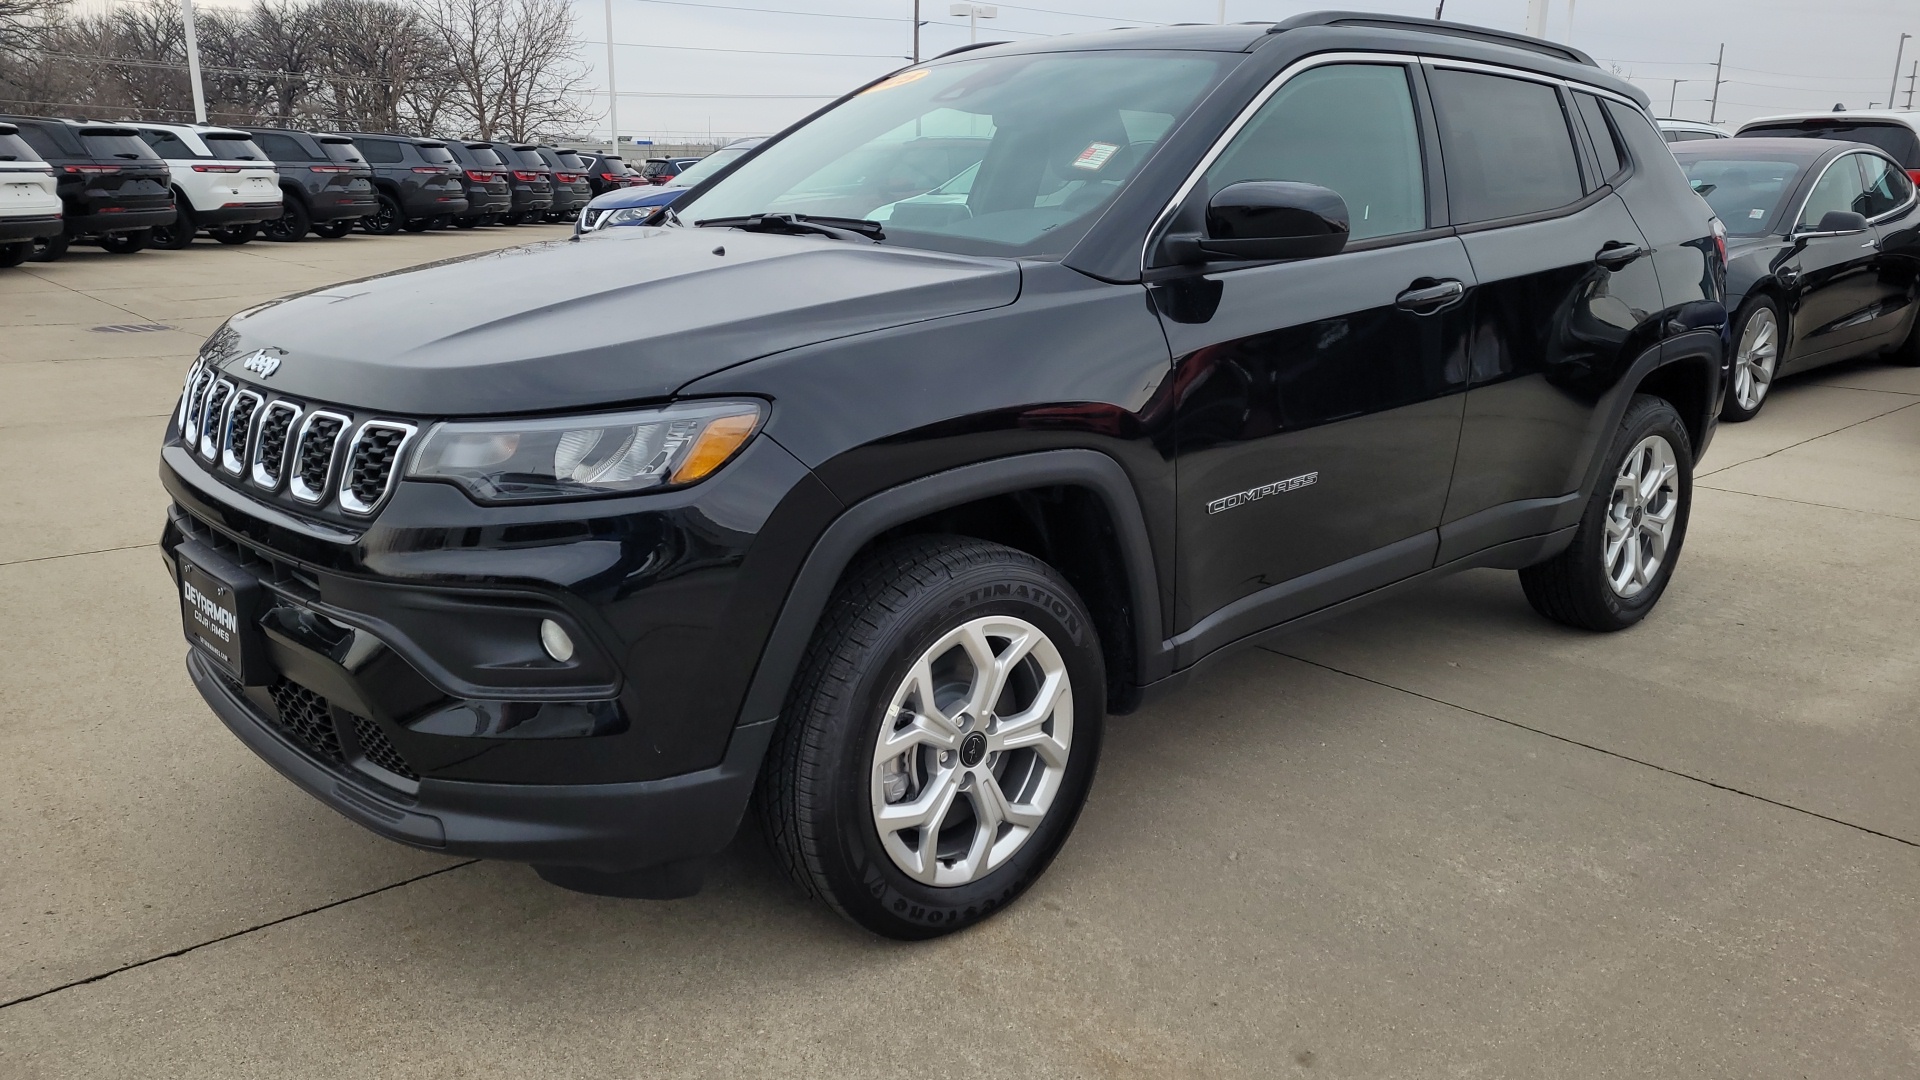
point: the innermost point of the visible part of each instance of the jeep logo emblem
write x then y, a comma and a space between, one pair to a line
261, 363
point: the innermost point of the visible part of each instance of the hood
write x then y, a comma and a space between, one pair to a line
649, 195
631, 315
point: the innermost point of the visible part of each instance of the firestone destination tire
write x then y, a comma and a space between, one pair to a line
940, 738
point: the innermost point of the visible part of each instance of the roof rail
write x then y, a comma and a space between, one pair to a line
1434, 26
967, 48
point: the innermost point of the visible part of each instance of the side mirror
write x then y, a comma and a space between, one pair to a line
1275, 219
1841, 221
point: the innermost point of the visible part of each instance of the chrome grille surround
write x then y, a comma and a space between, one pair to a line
272, 440
373, 438
309, 440
189, 394
236, 431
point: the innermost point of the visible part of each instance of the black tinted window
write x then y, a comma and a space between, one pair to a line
1841, 189
1507, 146
1346, 127
381, 151
102, 145
280, 147
1887, 187
484, 157
42, 141
166, 143
531, 159
1748, 195
552, 159
1683, 135
15, 148
439, 155
345, 153
573, 161
1606, 146
234, 148
1898, 140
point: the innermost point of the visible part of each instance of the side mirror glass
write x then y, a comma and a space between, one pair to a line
1840, 221
1275, 219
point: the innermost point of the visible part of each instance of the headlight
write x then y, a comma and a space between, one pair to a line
575, 456
630, 215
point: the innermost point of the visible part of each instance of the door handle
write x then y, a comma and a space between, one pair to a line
1429, 299
1787, 275
1618, 254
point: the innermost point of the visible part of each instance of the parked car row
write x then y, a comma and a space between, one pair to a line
130, 185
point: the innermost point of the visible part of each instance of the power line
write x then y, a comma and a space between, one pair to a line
753, 52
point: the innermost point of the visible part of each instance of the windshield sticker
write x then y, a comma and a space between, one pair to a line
901, 79
1095, 156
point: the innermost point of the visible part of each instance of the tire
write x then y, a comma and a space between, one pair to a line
126, 243
1908, 355
235, 235
828, 779
179, 234
15, 254
387, 220
1759, 342
49, 248
467, 222
292, 224
1582, 587
334, 230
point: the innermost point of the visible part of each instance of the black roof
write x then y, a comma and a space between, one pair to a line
1757, 149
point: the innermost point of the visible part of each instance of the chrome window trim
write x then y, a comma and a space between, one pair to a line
1245, 116
1796, 233
256, 469
297, 487
1913, 189
349, 501
210, 427
235, 463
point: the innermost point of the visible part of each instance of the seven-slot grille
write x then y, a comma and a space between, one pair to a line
315, 455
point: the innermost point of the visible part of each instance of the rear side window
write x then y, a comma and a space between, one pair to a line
166, 143
438, 155
1508, 148
1898, 140
1839, 189
102, 144
1607, 151
233, 148
381, 151
1346, 127
1888, 188
346, 153
15, 148
44, 142
280, 147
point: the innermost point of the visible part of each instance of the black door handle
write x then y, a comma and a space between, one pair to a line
1616, 255
1430, 298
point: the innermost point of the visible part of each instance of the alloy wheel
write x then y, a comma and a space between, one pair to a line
973, 750
1640, 517
1758, 355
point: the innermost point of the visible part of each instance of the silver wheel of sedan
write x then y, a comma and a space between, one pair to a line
1756, 359
973, 751
1640, 517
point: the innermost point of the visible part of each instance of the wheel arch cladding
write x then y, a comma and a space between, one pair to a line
1686, 383
1044, 501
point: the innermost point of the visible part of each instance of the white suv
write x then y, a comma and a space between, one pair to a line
222, 182
1896, 132
29, 202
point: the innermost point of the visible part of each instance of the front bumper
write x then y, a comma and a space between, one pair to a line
607, 827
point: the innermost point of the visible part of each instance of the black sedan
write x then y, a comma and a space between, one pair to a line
1823, 255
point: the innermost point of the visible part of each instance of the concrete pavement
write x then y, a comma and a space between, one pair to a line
1438, 837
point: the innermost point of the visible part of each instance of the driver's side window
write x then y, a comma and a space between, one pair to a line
1839, 190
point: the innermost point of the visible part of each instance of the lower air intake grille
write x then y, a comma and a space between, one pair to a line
316, 451
375, 745
306, 716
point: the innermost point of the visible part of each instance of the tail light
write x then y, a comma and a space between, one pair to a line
528, 176
1720, 240
91, 168
330, 168
480, 177
566, 177
1915, 173
430, 168
218, 168
611, 178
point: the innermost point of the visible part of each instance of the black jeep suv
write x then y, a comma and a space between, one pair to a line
872, 506
112, 186
326, 186
416, 182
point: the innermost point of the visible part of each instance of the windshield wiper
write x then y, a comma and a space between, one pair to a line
840, 228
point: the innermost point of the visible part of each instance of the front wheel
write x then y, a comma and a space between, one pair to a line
1758, 350
1629, 539
126, 243
940, 739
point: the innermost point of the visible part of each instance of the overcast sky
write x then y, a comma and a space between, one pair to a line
1781, 54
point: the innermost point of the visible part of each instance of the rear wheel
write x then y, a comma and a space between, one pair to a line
1629, 539
126, 243
940, 739
178, 233
15, 254
387, 219
1759, 348
234, 235
292, 224
334, 230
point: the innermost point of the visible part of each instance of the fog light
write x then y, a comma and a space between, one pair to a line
558, 644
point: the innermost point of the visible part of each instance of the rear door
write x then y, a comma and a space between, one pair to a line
1895, 214
1567, 288
1835, 304
1318, 401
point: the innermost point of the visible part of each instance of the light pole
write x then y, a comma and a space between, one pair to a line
974, 13
1673, 95
1898, 55
193, 63
613, 97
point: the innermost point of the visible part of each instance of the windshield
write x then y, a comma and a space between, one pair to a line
116, 145
1748, 195
708, 165
233, 147
484, 157
342, 151
530, 158
1056, 136
436, 153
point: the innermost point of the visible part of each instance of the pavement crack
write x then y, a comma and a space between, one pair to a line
1599, 749
75, 554
1805, 502
1813, 438
24, 998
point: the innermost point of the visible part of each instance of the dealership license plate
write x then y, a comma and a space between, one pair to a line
219, 606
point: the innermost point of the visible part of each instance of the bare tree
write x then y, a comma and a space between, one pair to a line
516, 64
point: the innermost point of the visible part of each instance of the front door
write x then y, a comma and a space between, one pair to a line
1318, 400
1834, 304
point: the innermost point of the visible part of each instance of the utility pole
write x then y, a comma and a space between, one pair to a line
1441, 10
1673, 96
1713, 113
916, 31
193, 64
1570, 21
1899, 54
974, 13
1911, 76
1537, 18
613, 97
1223, 12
